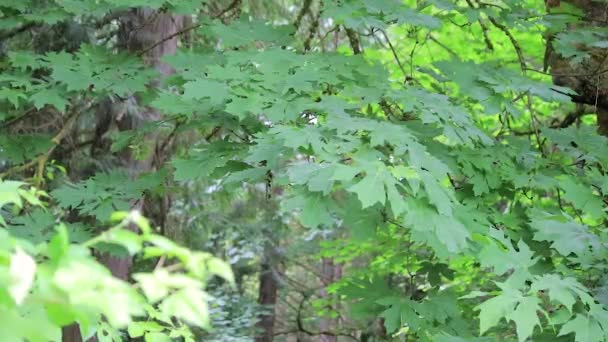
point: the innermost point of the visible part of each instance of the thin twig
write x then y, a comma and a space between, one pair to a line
505, 30
412, 58
18, 118
445, 47
514, 42
390, 45
486, 36
169, 37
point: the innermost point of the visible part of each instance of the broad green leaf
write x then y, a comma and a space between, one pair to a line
525, 317
585, 329
496, 308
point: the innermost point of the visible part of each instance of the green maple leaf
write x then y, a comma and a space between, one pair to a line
522, 258
12, 95
197, 167
251, 175
315, 209
267, 150
412, 17
396, 200
566, 237
317, 177
24, 60
362, 223
494, 309
560, 290
370, 190
205, 88
375, 186
295, 137
170, 103
392, 318
50, 96
432, 173
9, 193
102, 194
202, 162
582, 198
525, 317
68, 71
438, 195
585, 329
242, 107
448, 231
245, 31
400, 312
344, 173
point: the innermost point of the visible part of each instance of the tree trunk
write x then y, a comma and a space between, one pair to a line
587, 77
71, 333
142, 31
267, 293
330, 273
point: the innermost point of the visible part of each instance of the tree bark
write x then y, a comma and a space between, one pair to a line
268, 293
589, 77
140, 29
330, 272
71, 333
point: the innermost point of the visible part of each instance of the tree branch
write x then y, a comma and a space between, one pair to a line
390, 45
353, 39
18, 30
301, 328
230, 7
303, 11
505, 30
40, 160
